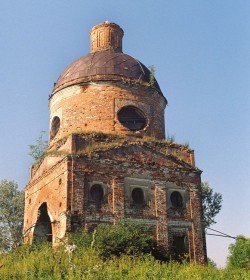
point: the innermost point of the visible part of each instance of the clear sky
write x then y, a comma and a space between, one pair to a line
201, 53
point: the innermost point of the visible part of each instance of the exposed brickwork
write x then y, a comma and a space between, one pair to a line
94, 107
106, 36
98, 171
50, 187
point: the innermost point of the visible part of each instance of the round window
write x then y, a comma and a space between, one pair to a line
138, 195
132, 118
97, 193
176, 199
55, 125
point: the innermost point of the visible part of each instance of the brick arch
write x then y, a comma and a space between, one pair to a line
43, 227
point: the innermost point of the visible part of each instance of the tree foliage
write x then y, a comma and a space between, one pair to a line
11, 214
239, 253
123, 238
37, 150
211, 202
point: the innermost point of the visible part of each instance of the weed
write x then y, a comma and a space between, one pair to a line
152, 75
43, 262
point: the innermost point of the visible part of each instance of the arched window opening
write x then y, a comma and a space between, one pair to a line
43, 229
176, 199
132, 118
97, 193
55, 125
138, 195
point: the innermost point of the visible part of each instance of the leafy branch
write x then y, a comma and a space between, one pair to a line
37, 150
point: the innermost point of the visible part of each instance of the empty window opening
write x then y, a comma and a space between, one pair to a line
179, 248
138, 195
176, 199
97, 193
43, 229
55, 125
132, 118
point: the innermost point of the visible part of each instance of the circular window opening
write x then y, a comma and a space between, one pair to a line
176, 199
97, 193
55, 125
138, 195
132, 118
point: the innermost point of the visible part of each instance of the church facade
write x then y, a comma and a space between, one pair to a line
108, 158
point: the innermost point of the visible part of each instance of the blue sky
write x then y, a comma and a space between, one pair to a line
201, 53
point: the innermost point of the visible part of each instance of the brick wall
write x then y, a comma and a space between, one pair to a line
51, 187
94, 107
64, 182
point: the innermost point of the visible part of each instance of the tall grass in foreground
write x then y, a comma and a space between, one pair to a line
43, 262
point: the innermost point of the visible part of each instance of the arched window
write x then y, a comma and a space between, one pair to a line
55, 125
43, 229
137, 195
132, 118
97, 193
176, 199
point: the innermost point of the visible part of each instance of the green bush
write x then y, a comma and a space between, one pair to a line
80, 238
110, 252
239, 253
126, 237
42, 262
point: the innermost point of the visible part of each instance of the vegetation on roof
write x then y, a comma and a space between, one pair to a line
99, 141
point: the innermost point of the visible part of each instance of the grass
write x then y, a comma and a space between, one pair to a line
97, 141
43, 262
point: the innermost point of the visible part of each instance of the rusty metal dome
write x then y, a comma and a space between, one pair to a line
105, 65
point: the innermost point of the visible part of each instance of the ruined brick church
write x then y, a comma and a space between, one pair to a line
108, 158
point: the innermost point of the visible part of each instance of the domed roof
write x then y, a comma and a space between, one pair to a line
105, 65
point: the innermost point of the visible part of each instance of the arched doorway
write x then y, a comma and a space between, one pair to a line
43, 229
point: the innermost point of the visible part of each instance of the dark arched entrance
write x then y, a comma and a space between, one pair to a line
43, 229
